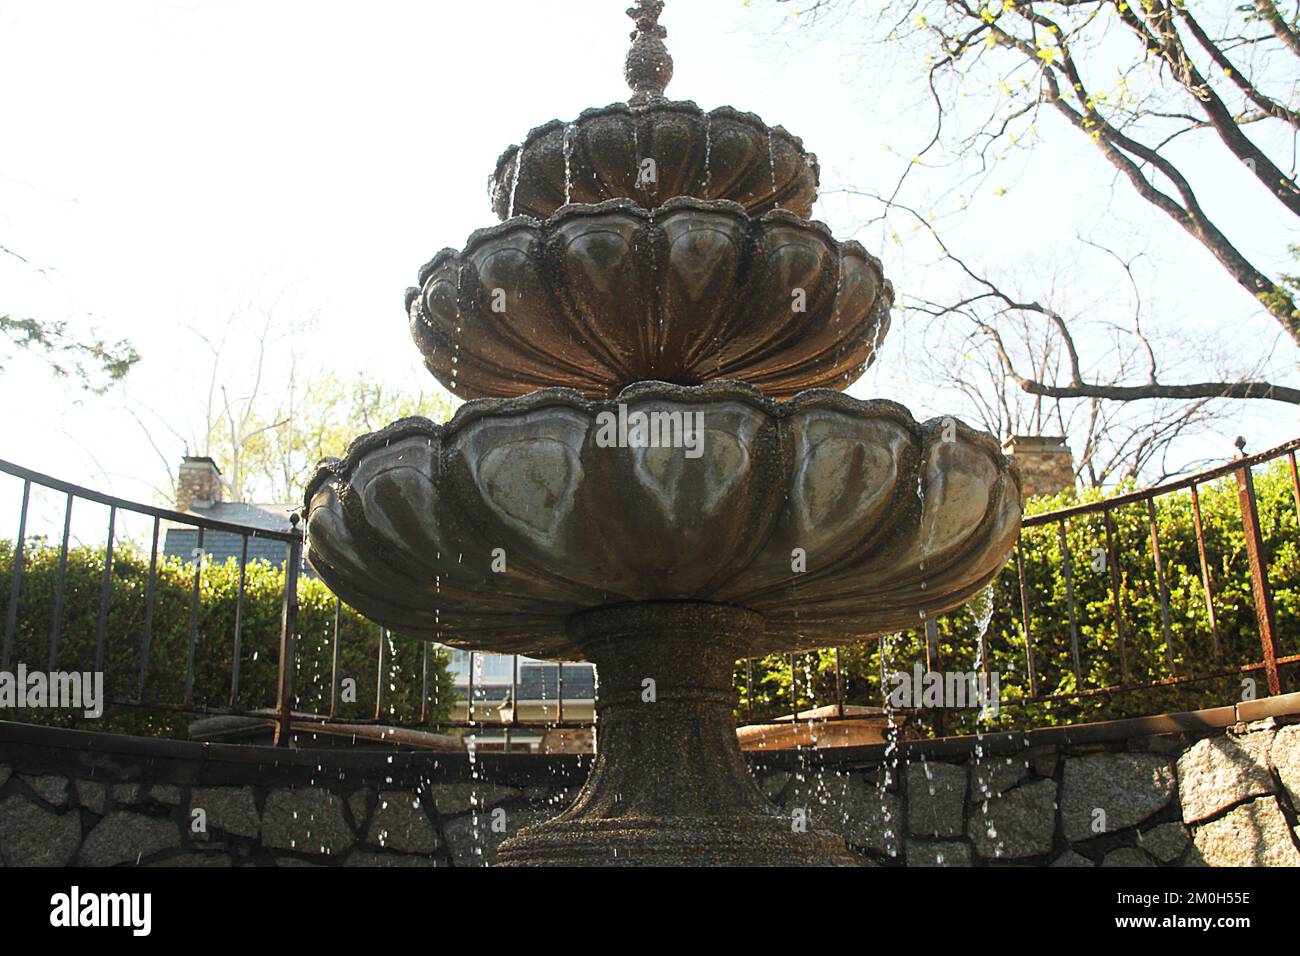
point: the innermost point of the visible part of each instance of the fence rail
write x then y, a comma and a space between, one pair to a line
1271, 662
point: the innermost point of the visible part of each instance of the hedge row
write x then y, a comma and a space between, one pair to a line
165, 676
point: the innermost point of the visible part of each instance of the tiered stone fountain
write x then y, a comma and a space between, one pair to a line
656, 260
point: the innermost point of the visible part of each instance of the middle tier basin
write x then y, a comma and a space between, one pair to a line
596, 298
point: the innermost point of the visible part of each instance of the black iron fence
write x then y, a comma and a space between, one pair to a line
1112, 640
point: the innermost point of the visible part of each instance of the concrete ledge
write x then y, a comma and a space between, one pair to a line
197, 763
1284, 705
1193, 723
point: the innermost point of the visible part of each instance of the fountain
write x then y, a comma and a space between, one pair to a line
655, 472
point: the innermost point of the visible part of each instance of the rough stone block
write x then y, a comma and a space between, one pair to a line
872, 820
91, 795
165, 793
229, 809
1127, 787
1127, 856
124, 837
1165, 842
196, 859
994, 776
1254, 834
308, 820
1219, 772
1286, 761
937, 854
33, 836
936, 799
473, 839
1018, 824
125, 794
452, 798
51, 788
1043, 760
400, 823
359, 807
1070, 858
362, 858
866, 817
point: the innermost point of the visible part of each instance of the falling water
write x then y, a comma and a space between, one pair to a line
708, 153
982, 609
771, 164
636, 158
568, 162
514, 181
889, 766
471, 748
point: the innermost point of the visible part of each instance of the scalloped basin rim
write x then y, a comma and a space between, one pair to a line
711, 392
676, 106
575, 211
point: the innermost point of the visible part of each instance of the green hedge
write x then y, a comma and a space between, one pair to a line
1192, 643
214, 649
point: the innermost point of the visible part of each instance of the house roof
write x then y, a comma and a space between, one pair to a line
181, 540
266, 517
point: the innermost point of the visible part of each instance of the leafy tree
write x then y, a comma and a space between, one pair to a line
94, 363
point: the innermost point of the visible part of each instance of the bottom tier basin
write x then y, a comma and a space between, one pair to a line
831, 517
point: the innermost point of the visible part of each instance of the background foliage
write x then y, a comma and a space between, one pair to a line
214, 645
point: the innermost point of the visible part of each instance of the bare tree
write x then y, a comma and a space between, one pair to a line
1131, 79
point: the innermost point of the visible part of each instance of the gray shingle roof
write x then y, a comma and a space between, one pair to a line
180, 541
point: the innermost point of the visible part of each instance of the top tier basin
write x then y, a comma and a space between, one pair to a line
721, 154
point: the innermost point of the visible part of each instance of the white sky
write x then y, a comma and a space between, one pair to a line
167, 164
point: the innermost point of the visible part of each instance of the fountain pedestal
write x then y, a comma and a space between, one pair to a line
669, 786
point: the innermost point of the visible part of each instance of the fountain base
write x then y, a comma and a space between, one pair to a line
669, 786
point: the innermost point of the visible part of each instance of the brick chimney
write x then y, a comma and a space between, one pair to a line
1046, 463
198, 483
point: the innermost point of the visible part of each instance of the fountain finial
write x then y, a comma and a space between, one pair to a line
649, 66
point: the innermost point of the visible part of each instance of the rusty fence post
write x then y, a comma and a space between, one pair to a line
1258, 572
288, 632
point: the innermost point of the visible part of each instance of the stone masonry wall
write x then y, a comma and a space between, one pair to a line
1229, 799
1207, 795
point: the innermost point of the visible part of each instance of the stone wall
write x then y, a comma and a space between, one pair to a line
1227, 799
1219, 787
98, 800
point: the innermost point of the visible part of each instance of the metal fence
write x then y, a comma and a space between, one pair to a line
1271, 662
